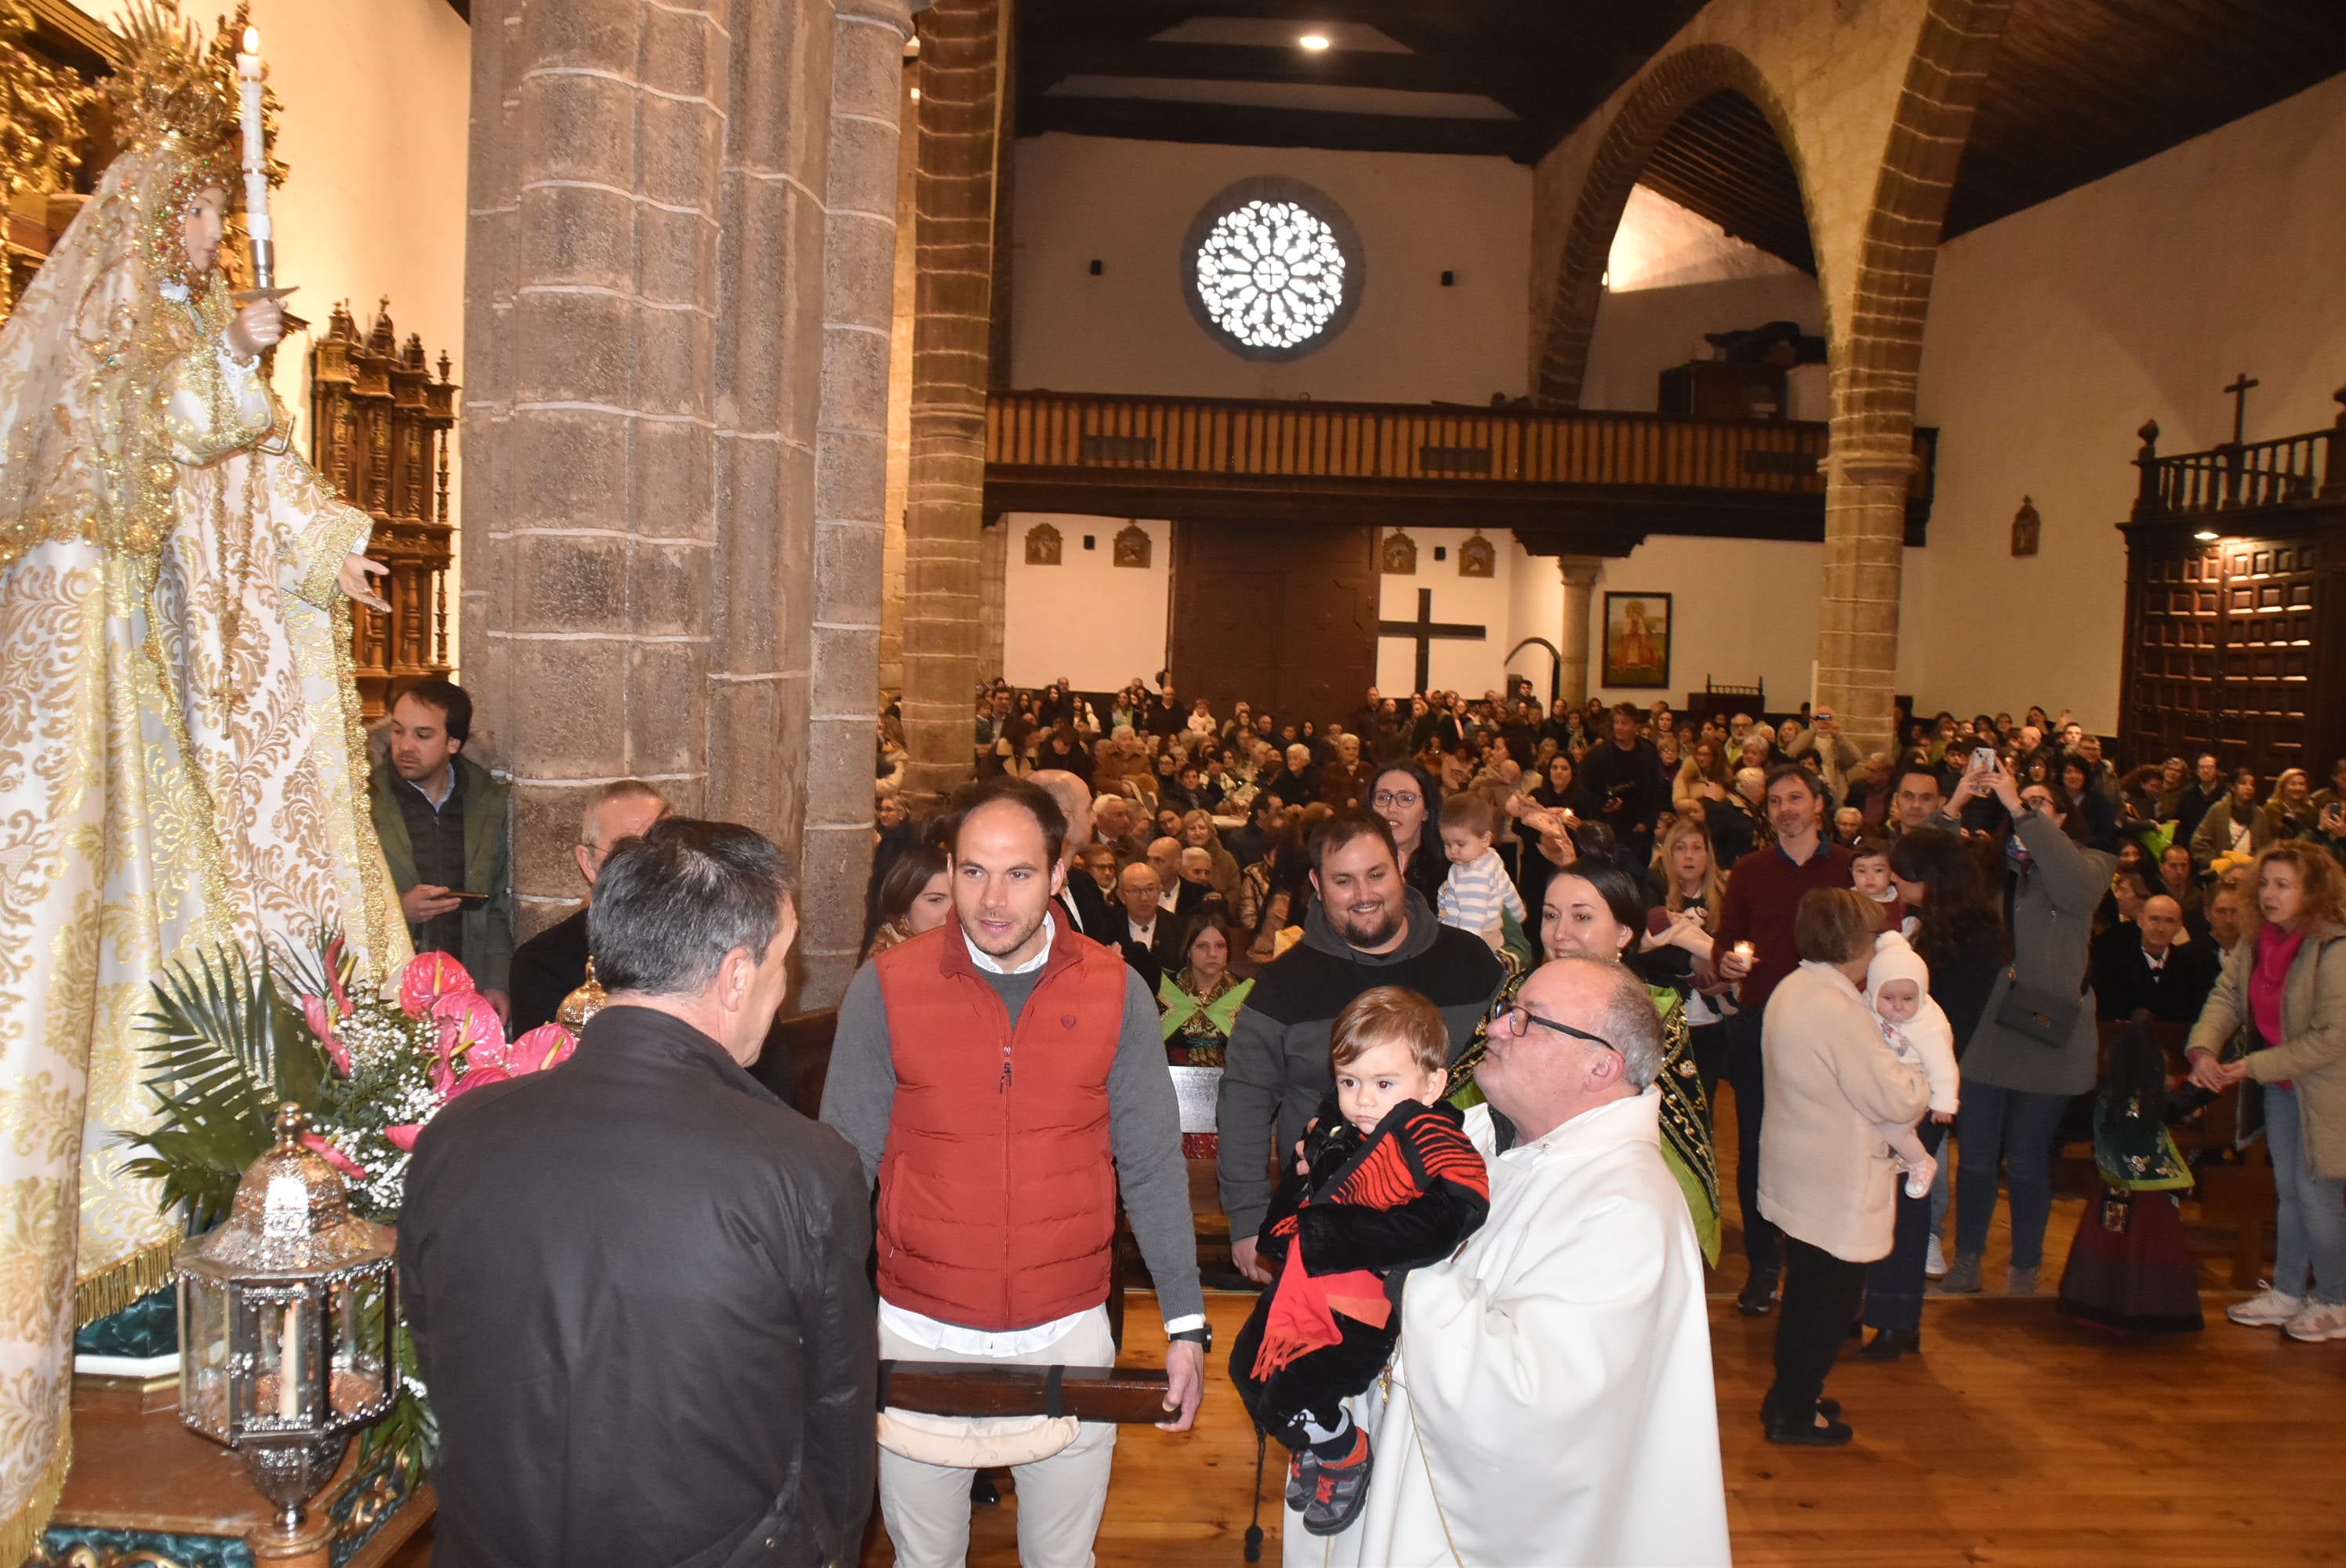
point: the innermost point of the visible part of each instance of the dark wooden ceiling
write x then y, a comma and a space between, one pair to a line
1545, 64
2079, 89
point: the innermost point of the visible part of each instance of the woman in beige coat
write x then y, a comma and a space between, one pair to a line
1826, 1177
2283, 988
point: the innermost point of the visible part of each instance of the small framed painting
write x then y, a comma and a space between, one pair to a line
1638, 640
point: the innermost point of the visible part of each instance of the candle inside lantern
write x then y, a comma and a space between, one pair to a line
288, 1362
250, 71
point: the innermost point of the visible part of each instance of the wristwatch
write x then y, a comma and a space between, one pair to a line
1203, 1337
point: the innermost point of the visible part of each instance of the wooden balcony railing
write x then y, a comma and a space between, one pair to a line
1302, 440
2287, 471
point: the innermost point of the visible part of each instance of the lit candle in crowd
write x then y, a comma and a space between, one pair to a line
1743, 950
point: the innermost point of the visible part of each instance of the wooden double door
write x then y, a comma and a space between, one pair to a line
2231, 645
1279, 616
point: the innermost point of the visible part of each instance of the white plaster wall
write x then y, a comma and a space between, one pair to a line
1095, 623
1674, 275
1129, 204
376, 98
2055, 333
1487, 601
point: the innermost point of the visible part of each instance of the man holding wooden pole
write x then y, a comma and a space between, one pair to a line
1002, 1078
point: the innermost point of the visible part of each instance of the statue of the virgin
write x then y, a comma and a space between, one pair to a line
181, 762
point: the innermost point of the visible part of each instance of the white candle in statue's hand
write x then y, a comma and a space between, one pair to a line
249, 71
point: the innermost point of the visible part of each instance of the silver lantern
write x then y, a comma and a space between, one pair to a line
287, 1314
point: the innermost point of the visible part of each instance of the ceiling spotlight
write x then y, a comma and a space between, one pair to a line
2206, 536
1315, 42
916, 93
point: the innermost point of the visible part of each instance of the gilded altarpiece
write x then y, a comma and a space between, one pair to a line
381, 423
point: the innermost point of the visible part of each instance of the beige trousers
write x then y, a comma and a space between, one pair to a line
926, 1506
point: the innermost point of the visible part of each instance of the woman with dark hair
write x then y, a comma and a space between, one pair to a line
1064, 749
1410, 801
2233, 825
914, 895
1199, 1006
1595, 909
1826, 1177
2034, 1049
1959, 936
2099, 811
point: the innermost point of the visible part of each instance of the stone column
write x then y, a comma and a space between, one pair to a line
1856, 629
961, 80
851, 488
1580, 574
641, 307
992, 595
900, 392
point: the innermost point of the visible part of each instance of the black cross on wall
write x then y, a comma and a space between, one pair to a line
1426, 630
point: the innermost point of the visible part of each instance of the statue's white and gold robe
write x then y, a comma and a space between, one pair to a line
1551, 1401
181, 766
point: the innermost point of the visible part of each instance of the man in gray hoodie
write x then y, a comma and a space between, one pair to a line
1366, 928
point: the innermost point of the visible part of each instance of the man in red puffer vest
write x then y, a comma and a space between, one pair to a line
1002, 1078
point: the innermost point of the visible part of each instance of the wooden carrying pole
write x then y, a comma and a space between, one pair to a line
1126, 1394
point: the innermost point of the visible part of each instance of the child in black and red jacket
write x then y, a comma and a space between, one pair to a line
1387, 1182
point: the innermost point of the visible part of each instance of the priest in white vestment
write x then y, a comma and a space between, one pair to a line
1550, 1404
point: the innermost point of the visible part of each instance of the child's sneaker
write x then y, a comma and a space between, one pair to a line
1339, 1489
1920, 1175
1302, 1474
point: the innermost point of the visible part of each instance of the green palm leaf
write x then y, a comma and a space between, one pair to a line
223, 1049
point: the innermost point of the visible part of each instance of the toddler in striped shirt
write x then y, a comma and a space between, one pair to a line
1477, 891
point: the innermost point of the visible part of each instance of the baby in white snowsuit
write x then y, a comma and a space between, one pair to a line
1898, 989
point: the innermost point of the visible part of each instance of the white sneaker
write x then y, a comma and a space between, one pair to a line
2321, 1320
1934, 1260
2270, 1310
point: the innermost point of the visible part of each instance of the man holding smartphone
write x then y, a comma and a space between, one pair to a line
442, 821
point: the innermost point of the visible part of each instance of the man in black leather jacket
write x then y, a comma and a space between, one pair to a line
635, 1281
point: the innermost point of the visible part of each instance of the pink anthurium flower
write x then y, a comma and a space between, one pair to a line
332, 1157
470, 1032
428, 977
322, 1025
547, 1046
402, 1137
335, 980
478, 1075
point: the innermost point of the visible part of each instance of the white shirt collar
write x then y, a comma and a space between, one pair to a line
1050, 929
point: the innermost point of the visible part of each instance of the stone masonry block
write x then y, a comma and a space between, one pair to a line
668, 588
579, 127
675, 257
584, 34
854, 379
569, 467
665, 487
666, 707
859, 269
577, 235
683, 54
568, 582
850, 476
545, 830
846, 670
678, 149
671, 367
575, 348
568, 719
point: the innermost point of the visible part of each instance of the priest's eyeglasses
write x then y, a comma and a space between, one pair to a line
1521, 1019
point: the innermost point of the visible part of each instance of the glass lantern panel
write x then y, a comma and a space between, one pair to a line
205, 1357
361, 1330
278, 1341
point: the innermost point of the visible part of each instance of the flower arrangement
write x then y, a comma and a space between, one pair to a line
233, 1039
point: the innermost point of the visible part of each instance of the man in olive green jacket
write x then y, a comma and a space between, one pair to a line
442, 821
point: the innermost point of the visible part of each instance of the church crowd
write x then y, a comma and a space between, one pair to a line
1440, 998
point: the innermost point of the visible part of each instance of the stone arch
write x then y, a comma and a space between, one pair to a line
1661, 96
1876, 359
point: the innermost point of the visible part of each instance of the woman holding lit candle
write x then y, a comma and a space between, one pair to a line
181, 753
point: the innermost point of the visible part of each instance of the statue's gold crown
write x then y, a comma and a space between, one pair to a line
171, 85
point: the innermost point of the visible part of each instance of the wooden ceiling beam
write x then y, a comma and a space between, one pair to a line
1053, 61
1232, 125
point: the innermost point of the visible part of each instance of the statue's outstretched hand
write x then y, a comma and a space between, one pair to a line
255, 327
352, 579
